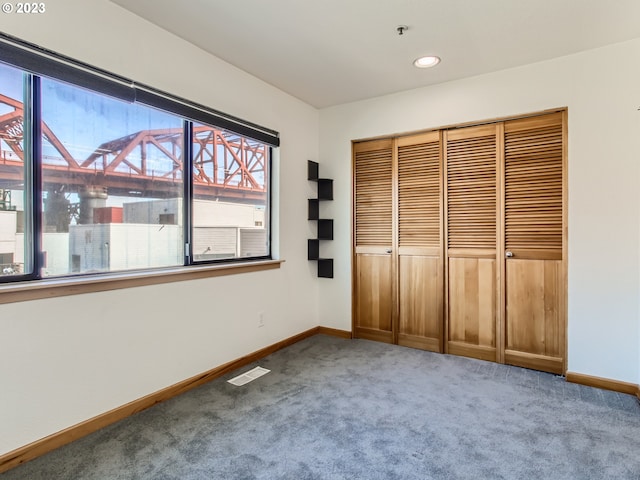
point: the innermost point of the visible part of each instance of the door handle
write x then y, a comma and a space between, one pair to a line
388, 250
508, 254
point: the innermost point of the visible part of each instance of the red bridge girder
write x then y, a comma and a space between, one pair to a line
149, 162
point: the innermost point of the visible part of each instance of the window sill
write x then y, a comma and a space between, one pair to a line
58, 287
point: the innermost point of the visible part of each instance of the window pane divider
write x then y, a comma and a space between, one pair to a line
187, 176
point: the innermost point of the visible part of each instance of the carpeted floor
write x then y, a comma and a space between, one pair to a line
354, 409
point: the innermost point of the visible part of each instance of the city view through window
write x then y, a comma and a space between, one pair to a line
112, 190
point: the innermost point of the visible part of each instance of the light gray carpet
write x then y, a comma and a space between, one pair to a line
341, 409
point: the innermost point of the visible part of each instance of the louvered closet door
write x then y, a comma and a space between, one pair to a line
471, 236
420, 264
374, 296
535, 272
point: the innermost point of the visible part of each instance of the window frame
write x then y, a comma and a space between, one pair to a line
37, 63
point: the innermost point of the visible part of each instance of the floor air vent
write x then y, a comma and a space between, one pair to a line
249, 376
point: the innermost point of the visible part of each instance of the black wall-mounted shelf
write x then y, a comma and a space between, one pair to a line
325, 229
314, 209
325, 225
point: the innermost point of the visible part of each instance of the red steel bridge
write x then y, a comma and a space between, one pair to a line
144, 164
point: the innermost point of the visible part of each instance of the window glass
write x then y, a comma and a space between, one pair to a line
231, 198
101, 188
112, 183
14, 253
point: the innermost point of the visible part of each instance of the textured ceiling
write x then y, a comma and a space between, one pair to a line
328, 52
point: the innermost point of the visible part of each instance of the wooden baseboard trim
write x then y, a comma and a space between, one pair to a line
605, 383
44, 445
334, 332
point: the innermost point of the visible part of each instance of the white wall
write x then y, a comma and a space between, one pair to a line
56, 248
7, 230
149, 211
224, 214
600, 88
67, 359
7, 233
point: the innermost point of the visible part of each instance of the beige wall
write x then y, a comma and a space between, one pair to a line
600, 88
67, 359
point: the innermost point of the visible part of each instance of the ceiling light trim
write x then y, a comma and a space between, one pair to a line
426, 61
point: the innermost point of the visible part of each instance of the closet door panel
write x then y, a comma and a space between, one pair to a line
421, 302
471, 234
472, 307
534, 319
534, 232
373, 237
420, 265
373, 296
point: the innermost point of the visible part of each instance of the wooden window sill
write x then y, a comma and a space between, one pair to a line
58, 287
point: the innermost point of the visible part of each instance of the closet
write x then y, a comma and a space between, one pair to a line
460, 241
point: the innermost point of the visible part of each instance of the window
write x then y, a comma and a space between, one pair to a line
102, 175
230, 195
111, 172
14, 252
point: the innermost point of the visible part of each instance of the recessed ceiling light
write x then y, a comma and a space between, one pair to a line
426, 62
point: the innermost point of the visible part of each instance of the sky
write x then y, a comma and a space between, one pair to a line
83, 120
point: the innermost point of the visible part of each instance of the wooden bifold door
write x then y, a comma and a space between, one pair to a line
471, 239
398, 246
374, 219
460, 241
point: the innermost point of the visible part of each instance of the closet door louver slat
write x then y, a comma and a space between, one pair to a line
373, 204
533, 189
471, 192
419, 195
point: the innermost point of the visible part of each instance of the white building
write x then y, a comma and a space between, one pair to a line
150, 235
